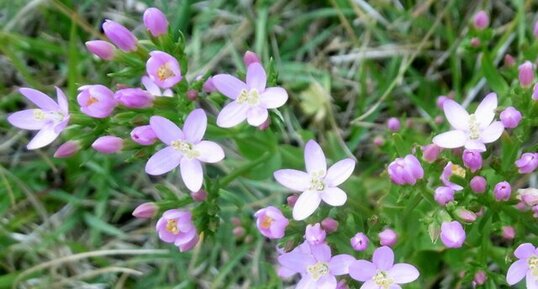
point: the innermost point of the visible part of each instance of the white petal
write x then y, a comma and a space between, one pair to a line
195, 125
315, 159
150, 86
475, 145
25, 119
531, 281
232, 114
485, 112
516, 272
166, 130
456, 115
403, 273
192, 173
274, 97
43, 138
40, 99
306, 204
257, 115
256, 77
492, 132
210, 152
228, 85
339, 172
334, 196
293, 179
62, 100
163, 161
450, 139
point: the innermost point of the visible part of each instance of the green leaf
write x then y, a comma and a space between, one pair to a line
492, 75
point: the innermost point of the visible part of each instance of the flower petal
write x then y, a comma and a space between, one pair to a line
165, 130
40, 99
517, 272
296, 260
163, 161
195, 125
307, 282
450, 139
210, 152
25, 119
532, 283
328, 281
63, 103
228, 85
321, 252
475, 145
150, 86
192, 173
370, 284
383, 258
306, 204
257, 115
339, 172
456, 115
274, 97
334, 196
492, 133
362, 270
43, 138
256, 77
339, 264
232, 114
403, 273
485, 112
315, 159
293, 179
524, 251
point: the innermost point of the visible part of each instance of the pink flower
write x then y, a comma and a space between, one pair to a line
510, 117
502, 191
471, 131
175, 226
359, 242
481, 20
472, 160
382, 272
527, 163
405, 170
108, 144
163, 69
134, 97
67, 149
444, 195
250, 100
447, 173
154, 89
508, 232
145, 210
50, 119
317, 183
96, 100
155, 21
209, 86
184, 148
143, 135
526, 74
478, 184
271, 222
102, 49
388, 237
528, 196
250, 57
315, 264
431, 152
314, 234
452, 234
393, 124
524, 267
120, 36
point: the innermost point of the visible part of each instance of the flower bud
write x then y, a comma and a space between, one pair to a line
108, 144
155, 22
528, 196
527, 163
67, 149
379, 141
192, 94
145, 210
102, 49
481, 20
480, 278
120, 36
250, 57
314, 234
208, 86
292, 200
465, 215
509, 60
452, 234
535, 93
502, 191
431, 152
439, 119
239, 232
444, 195
478, 184
271, 222
405, 170
342, 285
526, 74
388, 237
235, 221
508, 233
143, 135
475, 42
359, 242
393, 124
510, 117
535, 30
329, 225
199, 196
134, 97
472, 160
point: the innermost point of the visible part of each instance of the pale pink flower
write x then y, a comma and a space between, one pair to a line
525, 267
96, 100
452, 234
314, 234
447, 173
175, 226
154, 89
271, 222
163, 69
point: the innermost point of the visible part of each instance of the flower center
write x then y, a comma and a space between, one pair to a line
318, 270
458, 171
533, 265
39, 114
171, 226
382, 280
317, 184
266, 222
164, 72
91, 100
185, 148
250, 97
474, 128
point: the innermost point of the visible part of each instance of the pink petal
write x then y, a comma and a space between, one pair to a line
475, 145
25, 119
334, 196
195, 125
62, 100
383, 258
192, 173
43, 138
485, 112
165, 130
257, 115
524, 251
274, 97
293, 179
456, 115
315, 159
321, 252
228, 85
150, 86
339, 264
256, 78
296, 260
40, 99
362, 270
306, 204
328, 281
492, 133
517, 272
532, 283
450, 139
210, 152
232, 114
307, 282
403, 273
370, 284
163, 161
339, 172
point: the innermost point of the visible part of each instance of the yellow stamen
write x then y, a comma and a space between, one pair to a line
318, 270
164, 72
266, 222
171, 226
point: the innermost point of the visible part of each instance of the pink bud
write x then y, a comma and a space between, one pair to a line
406, 170
535, 92
192, 94
502, 191
509, 60
134, 97
329, 225
108, 144
120, 36
236, 221
444, 195
388, 237
528, 196
441, 101
238, 232
208, 86
143, 135
430, 153
102, 49
314, 234
199, 196
478, 184
480, 278
481, 20
475, 42
472, 160
508, 232
96, 100
527, 163
265, 125
342, 285
452, 234
439, 119
393, 124
510, 117
271, 222
155, 21
535, 30
379, 141
292, 200
526, 74
250, 57
359, 242
145, 210
465, 215
67, 149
